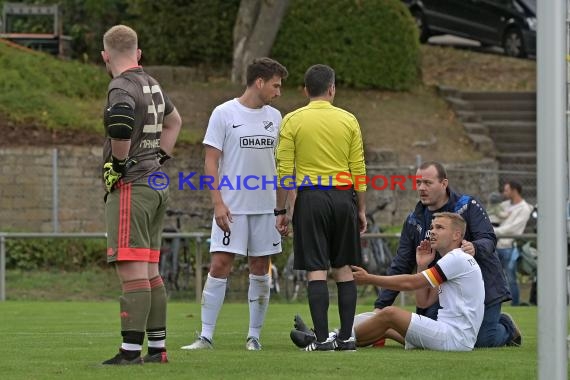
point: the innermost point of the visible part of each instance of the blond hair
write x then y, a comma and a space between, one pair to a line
121, 39
457, 220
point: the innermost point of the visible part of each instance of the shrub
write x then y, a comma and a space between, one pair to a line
370, 44
185, 33
64, 254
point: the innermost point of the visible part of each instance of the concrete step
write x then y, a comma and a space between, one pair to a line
476, 128
445, 91
507, 115
524, 135
459, 104
517, 167
505, 120
515, 147
483, 144
497, 124
485, 95
528, 180
466, 116
492, 105
503, 105
505, 137
516, 158
513, 135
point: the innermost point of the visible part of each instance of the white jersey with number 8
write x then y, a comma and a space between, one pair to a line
247, 138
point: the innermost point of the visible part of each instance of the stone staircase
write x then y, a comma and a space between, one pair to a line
501, 125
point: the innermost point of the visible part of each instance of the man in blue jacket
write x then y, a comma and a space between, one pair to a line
498, 329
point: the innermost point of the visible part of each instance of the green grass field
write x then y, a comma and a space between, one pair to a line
68, 340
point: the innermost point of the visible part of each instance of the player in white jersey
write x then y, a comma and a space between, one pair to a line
456, 279
239, 143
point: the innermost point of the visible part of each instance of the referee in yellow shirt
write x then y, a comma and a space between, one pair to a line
322, 146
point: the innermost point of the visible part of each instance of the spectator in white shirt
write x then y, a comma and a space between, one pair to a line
514, 216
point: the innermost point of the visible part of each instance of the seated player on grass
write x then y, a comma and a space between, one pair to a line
456, 279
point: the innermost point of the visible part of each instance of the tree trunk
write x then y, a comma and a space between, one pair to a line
256, 27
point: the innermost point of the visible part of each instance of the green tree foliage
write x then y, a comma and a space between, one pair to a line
369, 43
183, 32
84, 21
174, 32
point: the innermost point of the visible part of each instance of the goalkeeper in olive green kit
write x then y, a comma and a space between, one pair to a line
142, 126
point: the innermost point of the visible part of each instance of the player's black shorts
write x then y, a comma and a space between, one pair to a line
325, 224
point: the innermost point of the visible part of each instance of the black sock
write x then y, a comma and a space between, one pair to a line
156, 350
132, 337
318, 294
157, 334
346, 307
130, 355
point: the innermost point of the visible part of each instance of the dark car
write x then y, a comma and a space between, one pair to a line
510, 24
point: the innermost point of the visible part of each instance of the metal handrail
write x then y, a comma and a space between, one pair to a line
198, 236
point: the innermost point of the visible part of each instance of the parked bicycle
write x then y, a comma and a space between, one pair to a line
295, 281
274, 286
175, 257
376, 253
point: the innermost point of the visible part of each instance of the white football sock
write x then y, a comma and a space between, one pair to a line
258, 297
157, 343
131, 347
212, 301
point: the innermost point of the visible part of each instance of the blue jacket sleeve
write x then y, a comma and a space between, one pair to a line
479, 229
403, 263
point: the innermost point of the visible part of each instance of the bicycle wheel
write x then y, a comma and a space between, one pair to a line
184, 267
300, 285
288, 276
166, 268
274, 286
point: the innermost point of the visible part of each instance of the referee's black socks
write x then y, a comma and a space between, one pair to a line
346, 307
318, 295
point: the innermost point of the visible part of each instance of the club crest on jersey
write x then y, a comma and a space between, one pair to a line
256, 142
268, 125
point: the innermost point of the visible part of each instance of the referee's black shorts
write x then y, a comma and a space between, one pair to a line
326, 231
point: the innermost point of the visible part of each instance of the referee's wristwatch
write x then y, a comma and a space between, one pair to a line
280, 212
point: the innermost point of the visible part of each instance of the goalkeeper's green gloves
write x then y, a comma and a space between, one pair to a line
113, 171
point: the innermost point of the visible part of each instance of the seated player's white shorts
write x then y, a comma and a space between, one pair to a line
250, 235
424, 332
359, 318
